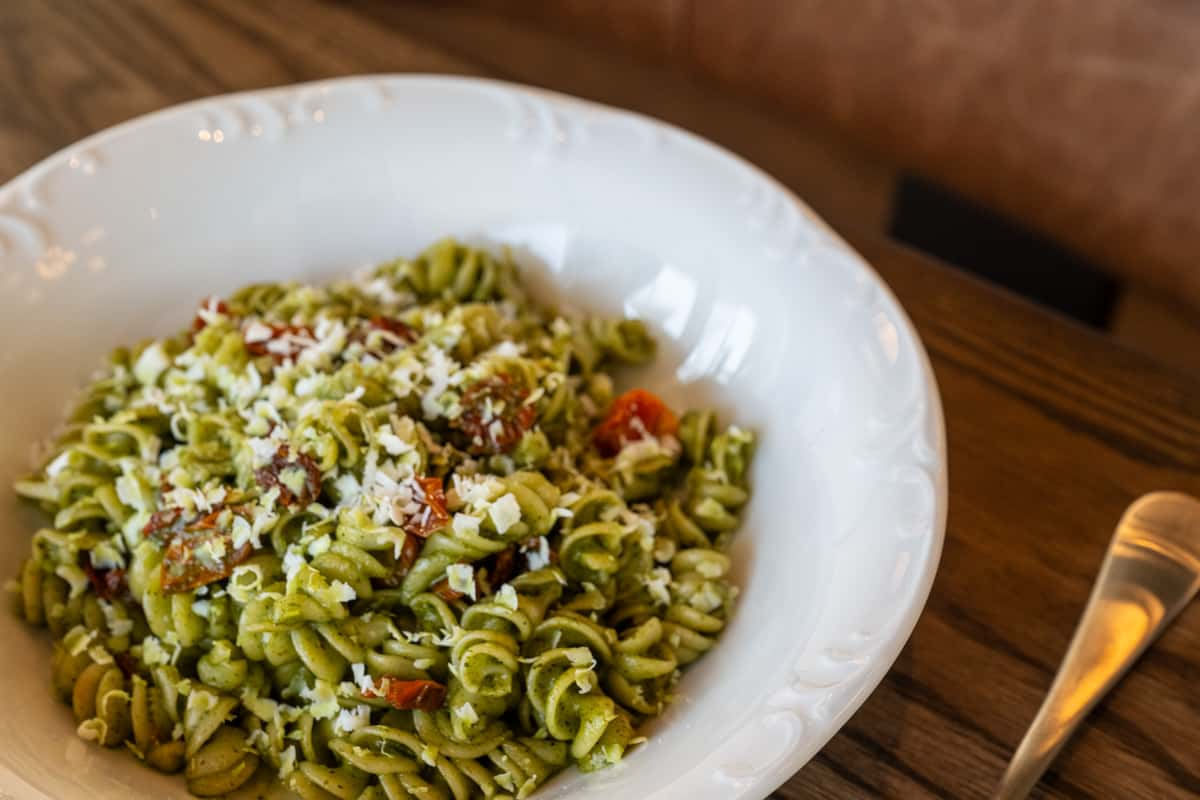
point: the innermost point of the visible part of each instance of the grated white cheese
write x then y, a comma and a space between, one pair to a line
245, 387
151, 364
508, 349
707, 599
507, 597
153, 653
364, 681
348, 489
243, 533
657, 583
539, 557
466, 713
343, 592
308, 385
475, 490
349, 721
293, 560
330, 341
262, 450
439, 368
60, 462
505, 512
322, 699
257, 332
287, 761
461, 578
392, 443
117, 625
465, 524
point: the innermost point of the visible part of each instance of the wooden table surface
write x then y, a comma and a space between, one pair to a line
1052, 429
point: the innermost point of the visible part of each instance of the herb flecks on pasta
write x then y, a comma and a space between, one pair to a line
389, 538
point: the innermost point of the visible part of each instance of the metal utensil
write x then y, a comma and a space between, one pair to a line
1151, 571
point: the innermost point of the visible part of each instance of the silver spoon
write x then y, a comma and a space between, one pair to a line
1151, 571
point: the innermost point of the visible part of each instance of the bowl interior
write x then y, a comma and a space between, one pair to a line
761, 312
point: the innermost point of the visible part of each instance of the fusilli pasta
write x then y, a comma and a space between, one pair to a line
395, 537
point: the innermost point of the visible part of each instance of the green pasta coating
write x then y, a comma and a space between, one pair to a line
394, 537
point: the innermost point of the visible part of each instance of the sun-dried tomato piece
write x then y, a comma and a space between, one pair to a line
281, 343
442, 589
212, 305
108, 584
409, 552
432, 515
196, 557
127, 663
163, 524
205, 522
633, 416
298, 479
398, 333
197, 550
505, 566
494, 415
403, 563
411, 695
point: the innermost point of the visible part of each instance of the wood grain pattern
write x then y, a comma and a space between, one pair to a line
1052, 429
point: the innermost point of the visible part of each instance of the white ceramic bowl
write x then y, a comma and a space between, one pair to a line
762, 311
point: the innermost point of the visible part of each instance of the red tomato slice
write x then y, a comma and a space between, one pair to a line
197, 551
184, 567
397, 329
494, 415
433, 514
281, 333
268, 477
633, 416
411, 695
108, 584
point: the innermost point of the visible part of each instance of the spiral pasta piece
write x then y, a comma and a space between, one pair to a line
562, 692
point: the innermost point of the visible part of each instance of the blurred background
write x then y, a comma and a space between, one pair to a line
1043, 145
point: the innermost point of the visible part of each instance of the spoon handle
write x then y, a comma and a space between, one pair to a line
1151, 571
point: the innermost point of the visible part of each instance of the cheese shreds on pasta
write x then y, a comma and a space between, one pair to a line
394, 536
